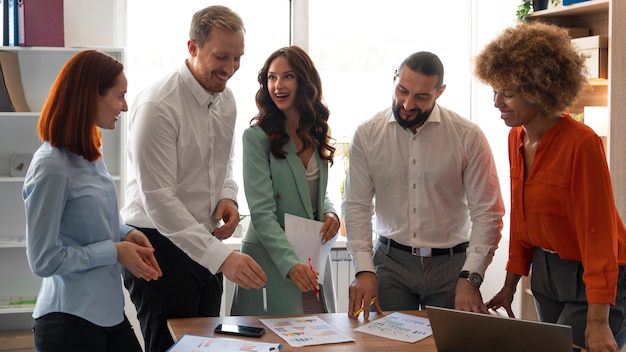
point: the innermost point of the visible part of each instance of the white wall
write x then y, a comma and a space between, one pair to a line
95, 23
489, 18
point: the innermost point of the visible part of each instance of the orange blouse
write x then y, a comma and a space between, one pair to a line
566, 205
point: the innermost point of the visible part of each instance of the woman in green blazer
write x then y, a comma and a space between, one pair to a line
286, 153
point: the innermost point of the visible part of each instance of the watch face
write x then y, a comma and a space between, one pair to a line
475, 279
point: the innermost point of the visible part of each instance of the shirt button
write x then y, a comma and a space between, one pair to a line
279, 196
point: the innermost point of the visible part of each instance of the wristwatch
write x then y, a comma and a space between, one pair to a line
473, 278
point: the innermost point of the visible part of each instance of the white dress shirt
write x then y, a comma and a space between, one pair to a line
180, 155
436, 188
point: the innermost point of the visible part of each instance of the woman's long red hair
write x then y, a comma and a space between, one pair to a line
68, 118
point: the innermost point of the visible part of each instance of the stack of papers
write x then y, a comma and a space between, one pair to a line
192, 343
305, 331
399, 326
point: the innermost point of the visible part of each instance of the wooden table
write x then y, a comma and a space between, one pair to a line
340, 321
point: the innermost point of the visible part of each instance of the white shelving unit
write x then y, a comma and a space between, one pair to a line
88, 24
39, 67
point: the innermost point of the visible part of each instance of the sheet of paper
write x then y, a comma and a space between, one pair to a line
193, 343
305, 331
304, 236
399, 326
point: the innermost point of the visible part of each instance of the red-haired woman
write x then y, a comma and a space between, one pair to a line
75, 240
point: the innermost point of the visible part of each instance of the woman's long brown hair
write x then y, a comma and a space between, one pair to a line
313, 126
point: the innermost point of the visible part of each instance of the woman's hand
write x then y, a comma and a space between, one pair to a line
598, 335
304, 277
330, 227
136, 254
504, 298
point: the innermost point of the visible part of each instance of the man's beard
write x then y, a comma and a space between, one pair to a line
419, 119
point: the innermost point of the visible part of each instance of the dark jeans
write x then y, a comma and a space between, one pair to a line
61, 332
185, 290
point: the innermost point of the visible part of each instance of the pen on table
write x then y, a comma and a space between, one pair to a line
317, 290
358, 311
265, 299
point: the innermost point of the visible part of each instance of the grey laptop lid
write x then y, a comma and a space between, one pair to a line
456, 330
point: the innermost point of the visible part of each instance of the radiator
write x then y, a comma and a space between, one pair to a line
343, 274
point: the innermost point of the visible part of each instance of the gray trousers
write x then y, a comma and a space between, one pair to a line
560, 297
408, 282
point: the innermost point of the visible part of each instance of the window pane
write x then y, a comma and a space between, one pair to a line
357, 49
157, 34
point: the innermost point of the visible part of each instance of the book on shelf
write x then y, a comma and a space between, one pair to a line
11, 18
40, 23
12, 97
4, 22
5, 100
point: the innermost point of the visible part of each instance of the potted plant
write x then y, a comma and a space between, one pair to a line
527, 6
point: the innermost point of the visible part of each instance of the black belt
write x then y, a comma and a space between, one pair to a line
425, 251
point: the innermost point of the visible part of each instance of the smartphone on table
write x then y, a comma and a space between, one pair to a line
239, 330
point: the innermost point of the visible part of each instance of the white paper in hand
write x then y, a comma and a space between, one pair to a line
304, 236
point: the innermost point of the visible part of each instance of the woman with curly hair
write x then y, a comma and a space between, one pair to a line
564, 222
286, 153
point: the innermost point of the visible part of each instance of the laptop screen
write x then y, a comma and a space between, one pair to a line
456, 330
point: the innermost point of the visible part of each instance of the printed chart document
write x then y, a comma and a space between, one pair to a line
399, 326
304, 236
305, 331
193, 343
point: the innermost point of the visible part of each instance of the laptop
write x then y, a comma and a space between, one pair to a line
456, 330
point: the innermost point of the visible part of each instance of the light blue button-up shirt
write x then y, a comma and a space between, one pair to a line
72, 223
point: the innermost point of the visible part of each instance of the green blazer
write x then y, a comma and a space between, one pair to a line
274, 187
